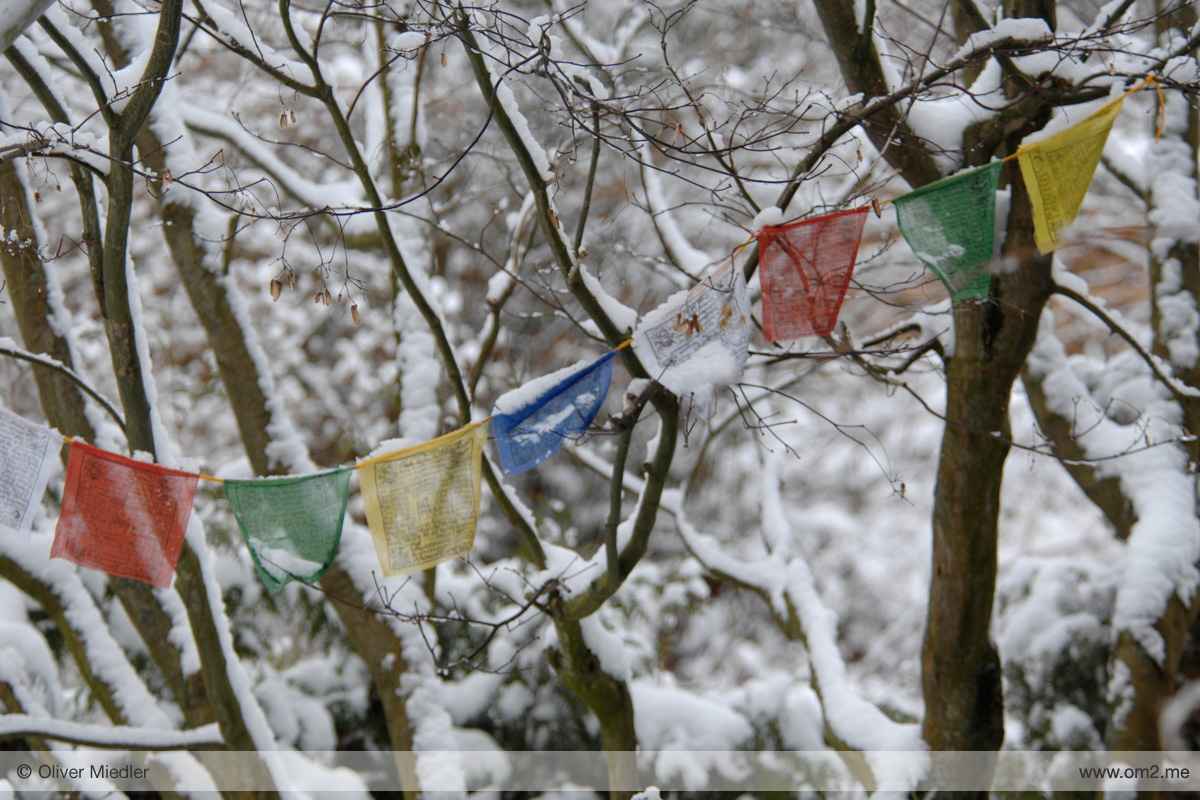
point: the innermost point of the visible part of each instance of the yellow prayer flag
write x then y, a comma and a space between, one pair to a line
1058, 171
422, 503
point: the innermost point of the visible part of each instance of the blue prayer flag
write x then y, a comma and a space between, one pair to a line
532, 432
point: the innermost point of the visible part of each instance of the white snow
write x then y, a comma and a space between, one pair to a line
713, 365
298, 719
438, 762
282, 564
252, 714
668, 717
607, 647
621, 315
1174, 213
120, 737
317, 194
1027, 29
1164, 545
856, 722
104, 654
1071, 726
420, 371
16, 16
516, 399
676, 243
768, 217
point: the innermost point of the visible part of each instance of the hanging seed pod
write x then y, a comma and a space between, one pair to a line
354, 315
37, 197
553, 217
328, 297
443, 58
318, 298
276, 288
292, 116
283, 120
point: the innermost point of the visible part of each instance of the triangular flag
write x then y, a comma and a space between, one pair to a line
951, 226
1058, 171
699, 338
123, 517
805, 268
291, 525
422, 503
530, 423
27, 455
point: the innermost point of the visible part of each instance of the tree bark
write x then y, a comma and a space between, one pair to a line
605, 695
372, 639
61, 400
858, 60
961, 667
1174, 272
961, 677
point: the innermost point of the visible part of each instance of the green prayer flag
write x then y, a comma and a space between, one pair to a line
291, 525
951, 226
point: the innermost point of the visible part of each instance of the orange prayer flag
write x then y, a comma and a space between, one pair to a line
123, 517
805, 272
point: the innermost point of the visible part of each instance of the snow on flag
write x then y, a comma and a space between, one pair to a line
805, 269
422, 503
951, 226
699, 338
1058, 171
123, 517
292, 526
530, 423
27, 453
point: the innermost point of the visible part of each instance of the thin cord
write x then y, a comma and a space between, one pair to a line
417, 447
1150, 80
202, 477
876, 204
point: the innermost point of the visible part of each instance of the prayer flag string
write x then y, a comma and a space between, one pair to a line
128, 517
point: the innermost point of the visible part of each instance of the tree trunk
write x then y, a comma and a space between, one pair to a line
605, 696
28, 289
961, 667
372, 639
1174, 272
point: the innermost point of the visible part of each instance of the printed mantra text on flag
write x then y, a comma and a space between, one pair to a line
529, 434
292, 526
1058, 171
951, 226
805, 268
27, 456
422, 503
123, 517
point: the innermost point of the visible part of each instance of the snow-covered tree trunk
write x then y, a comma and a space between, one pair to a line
960, 665
1145, 666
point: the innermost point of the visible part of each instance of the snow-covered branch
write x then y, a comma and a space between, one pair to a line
120, 737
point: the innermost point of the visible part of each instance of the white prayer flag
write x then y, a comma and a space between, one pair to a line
698, 340
27, 454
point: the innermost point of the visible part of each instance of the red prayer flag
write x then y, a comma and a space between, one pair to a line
123, 517
805, 269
